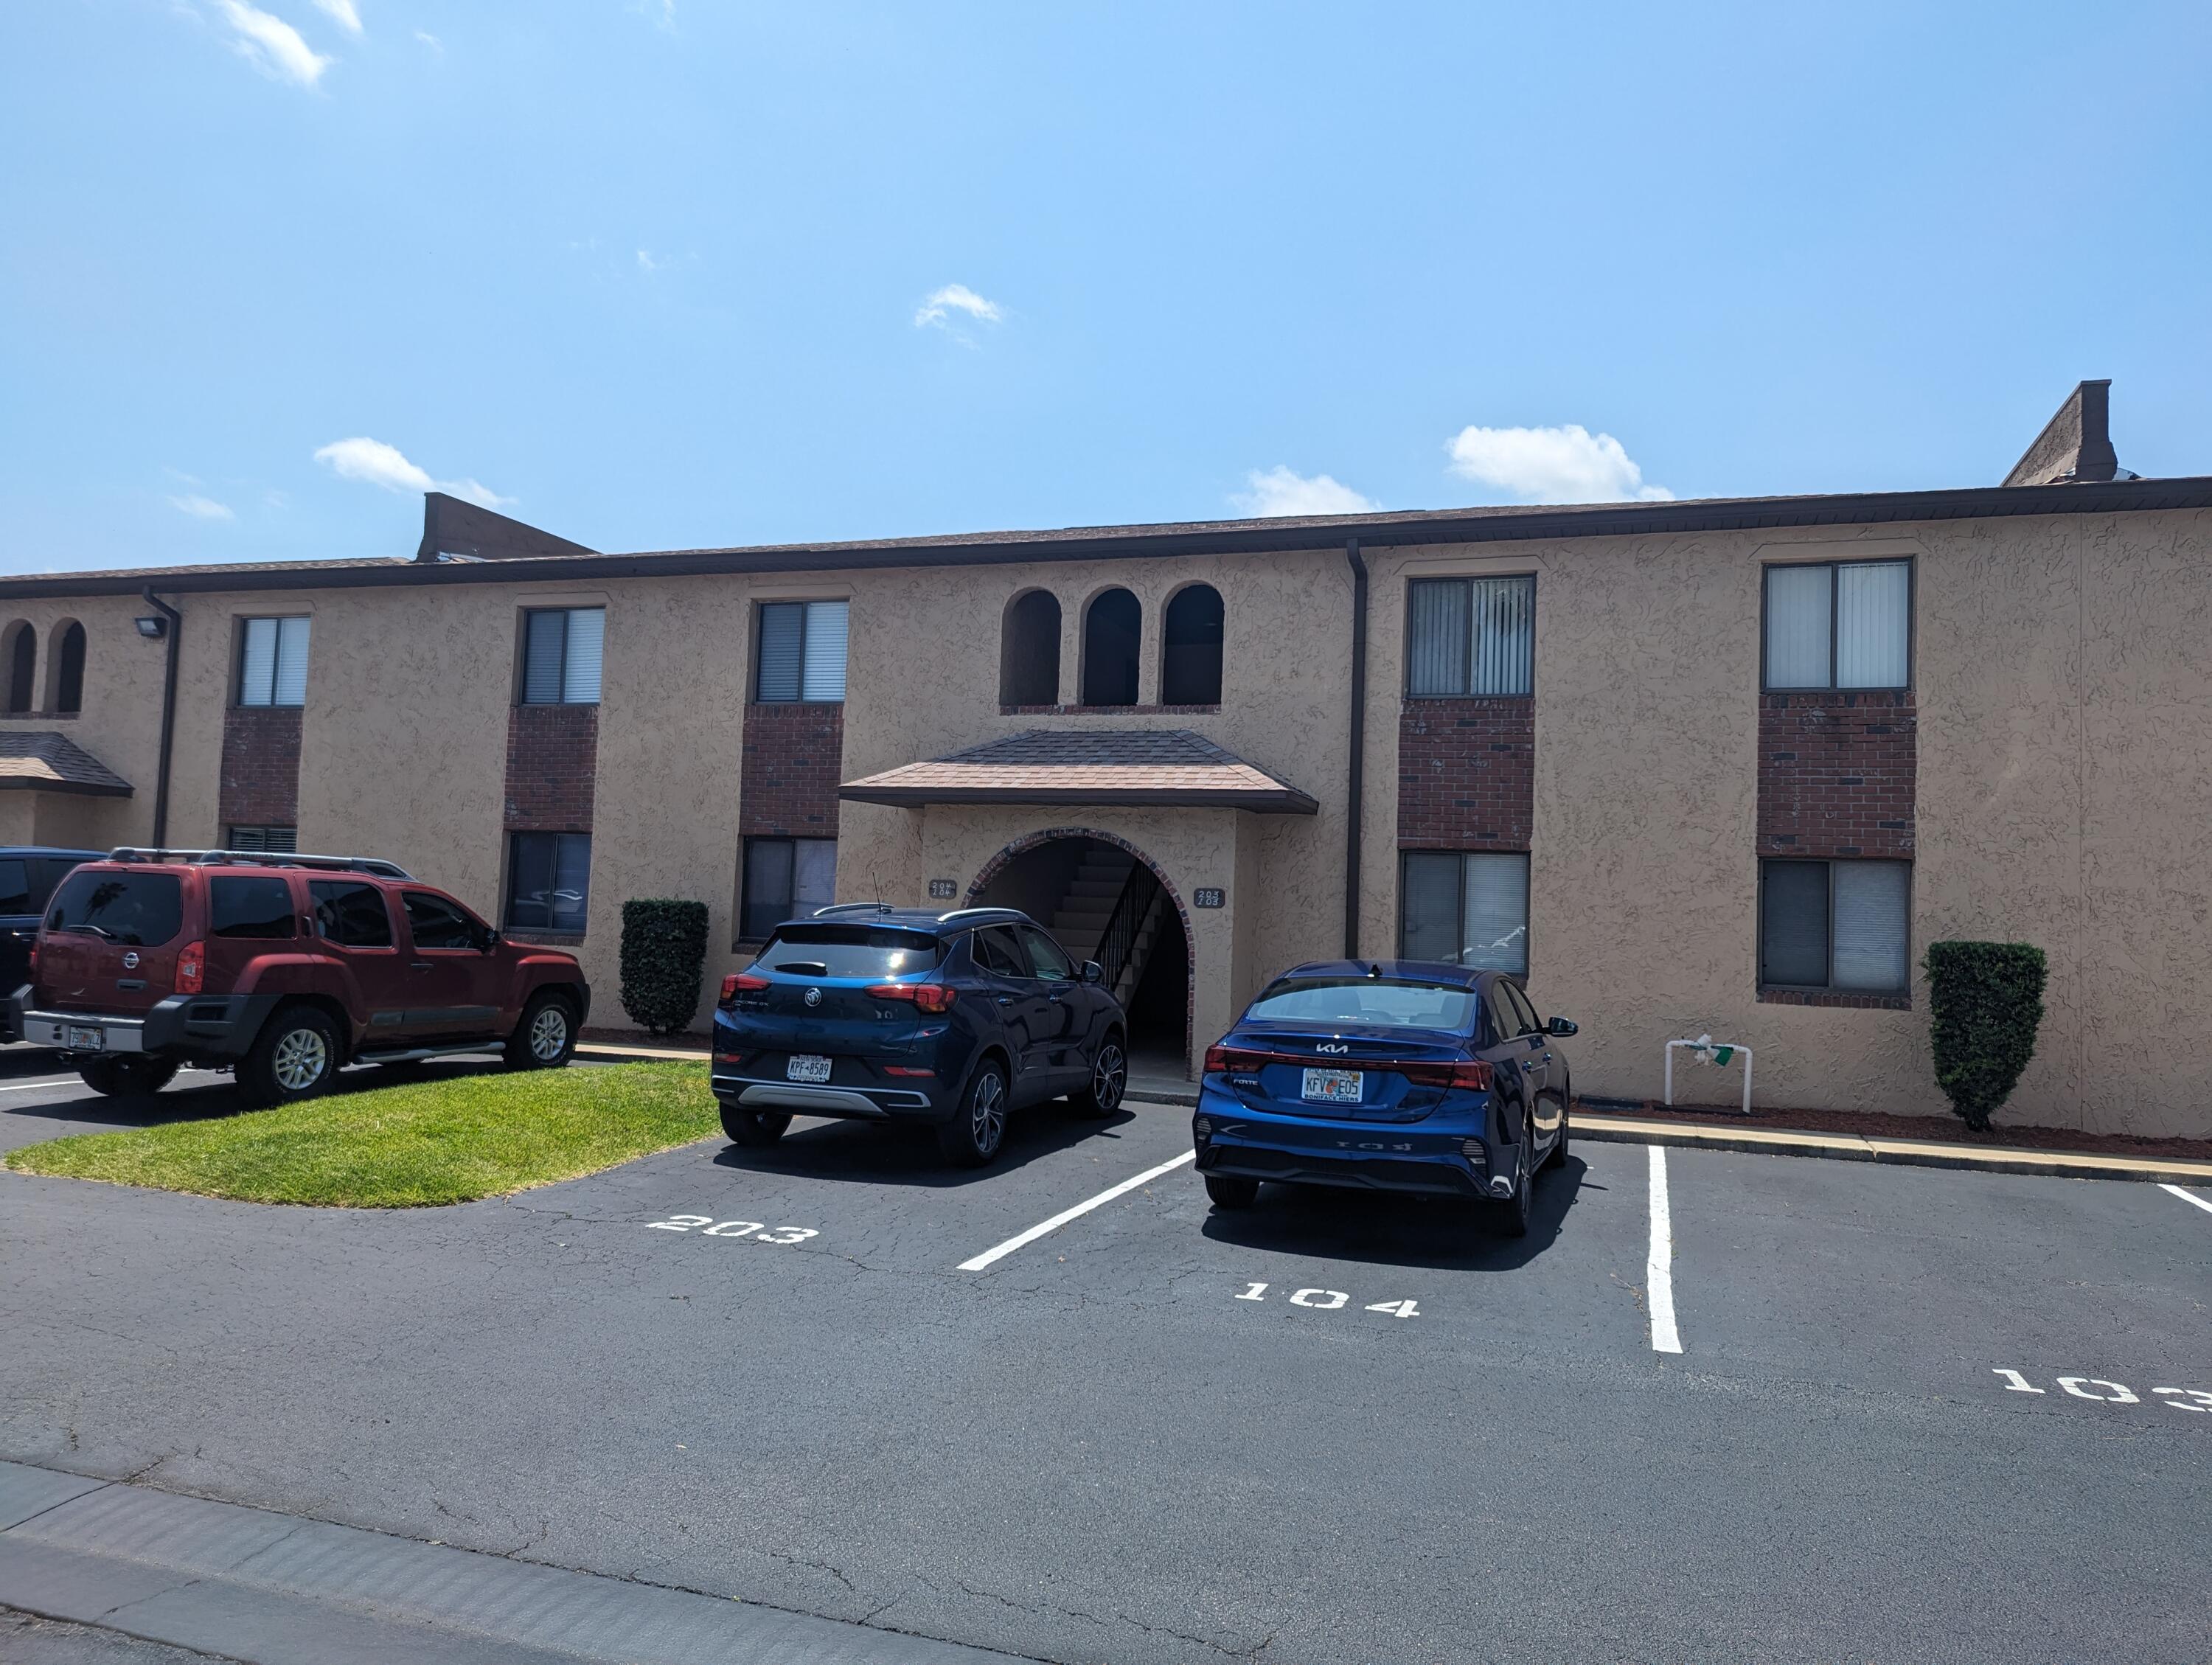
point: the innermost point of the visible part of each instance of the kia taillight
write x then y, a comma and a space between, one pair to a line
192, 968
741, 983
927, 997
1235, 1060
1473, 1076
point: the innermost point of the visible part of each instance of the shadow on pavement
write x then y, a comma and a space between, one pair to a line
1384, 1228
199, 1099
896, 1154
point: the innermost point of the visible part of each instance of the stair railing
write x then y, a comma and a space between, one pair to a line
1119, 939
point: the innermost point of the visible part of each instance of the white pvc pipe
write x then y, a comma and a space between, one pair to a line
1730, 1045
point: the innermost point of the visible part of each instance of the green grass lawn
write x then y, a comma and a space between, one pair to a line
412, 1146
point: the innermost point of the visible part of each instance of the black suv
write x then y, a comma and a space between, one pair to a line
28, 874
900, 1014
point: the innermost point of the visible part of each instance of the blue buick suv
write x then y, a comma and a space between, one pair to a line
885, 1014
1386, 1075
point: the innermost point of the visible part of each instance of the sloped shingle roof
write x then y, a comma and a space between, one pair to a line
41, 760
1126, 766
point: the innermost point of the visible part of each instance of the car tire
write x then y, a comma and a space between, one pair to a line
978, 1128
125, 1077
1511, 1212
545, 1039
1233, 1190
1109, 1079
754, 1129
295, 1056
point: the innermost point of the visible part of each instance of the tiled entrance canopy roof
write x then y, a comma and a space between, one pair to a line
41, 760
1126, 766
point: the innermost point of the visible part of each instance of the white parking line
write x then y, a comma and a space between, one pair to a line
1659, 1264
58, 1081
2188, 1196
1076, 1212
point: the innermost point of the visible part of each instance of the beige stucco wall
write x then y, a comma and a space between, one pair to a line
120, 724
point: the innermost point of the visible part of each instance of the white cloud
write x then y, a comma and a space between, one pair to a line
431, 41
662, 12
938, 309
373, 462
272, 45
342, 11
647, 265
1567, 465
202, 508
1278, 491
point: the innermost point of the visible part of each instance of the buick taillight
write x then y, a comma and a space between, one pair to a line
925, 997
192, 968
741, 983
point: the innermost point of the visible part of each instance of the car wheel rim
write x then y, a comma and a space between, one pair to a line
302, 1057
549, 1034
988, 1115
1107, 1077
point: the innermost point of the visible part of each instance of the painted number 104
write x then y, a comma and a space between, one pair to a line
1331, 1300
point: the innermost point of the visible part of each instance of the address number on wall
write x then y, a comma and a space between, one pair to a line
943, 889
1206, 896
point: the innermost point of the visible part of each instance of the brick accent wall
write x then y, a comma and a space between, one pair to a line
1467, 774
788, 785
1835, 774
260, 781
552, 768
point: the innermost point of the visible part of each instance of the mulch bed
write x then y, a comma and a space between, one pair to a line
1944, 1129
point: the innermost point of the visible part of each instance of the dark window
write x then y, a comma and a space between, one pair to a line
562, 651
549, 881
800, 653
1504, 1021
16, 886
1530, 1023
784, 878
1047, 957
1111, 631
281, 840
1471, 636
144, 909
351, 915
1842, 626
272, 661
1842, 925
22, 667
50, 870
1028, 651
257, 907
435, 922
998, 952
69, 676
1190, 647
847, 951
1465, 909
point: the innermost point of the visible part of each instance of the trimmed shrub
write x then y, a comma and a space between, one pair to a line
664, 952
1984, 1004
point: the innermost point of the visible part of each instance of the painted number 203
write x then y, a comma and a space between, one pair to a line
778, 1234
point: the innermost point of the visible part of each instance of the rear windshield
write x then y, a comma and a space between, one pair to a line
847, 951
1366, 1001
141, 909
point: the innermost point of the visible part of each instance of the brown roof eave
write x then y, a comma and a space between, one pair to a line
1481, 525
1286, 802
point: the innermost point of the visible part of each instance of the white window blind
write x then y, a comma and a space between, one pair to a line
1472, 636
1871, 924
1798, 599
580, 666
813, 873
1437, 659
562, 652
802, 652
1494, 933
825, 650
1873, 624
272, 662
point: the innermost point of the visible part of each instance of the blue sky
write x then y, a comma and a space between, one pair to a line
680, 273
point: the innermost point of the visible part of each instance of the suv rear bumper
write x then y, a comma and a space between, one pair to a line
219, 1026
800, 1098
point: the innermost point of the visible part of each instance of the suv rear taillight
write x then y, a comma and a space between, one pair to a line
192, 968
925, 997
741, 983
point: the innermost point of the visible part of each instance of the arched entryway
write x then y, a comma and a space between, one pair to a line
1106, 900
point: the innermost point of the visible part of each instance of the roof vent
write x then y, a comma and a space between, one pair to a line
2075, 447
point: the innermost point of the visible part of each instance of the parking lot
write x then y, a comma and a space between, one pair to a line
1714, 1406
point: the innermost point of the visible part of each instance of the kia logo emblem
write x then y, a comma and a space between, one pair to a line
814, 997
1332, 1046
130, 961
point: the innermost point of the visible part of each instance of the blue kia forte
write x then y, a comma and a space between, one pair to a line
1386, 1075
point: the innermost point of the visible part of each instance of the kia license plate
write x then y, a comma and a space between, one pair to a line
805, 1067
92, 1040
1333, 1086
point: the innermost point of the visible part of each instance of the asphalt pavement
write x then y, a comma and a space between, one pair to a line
1915, 1414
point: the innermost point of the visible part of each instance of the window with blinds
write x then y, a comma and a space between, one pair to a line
784, 878
1471, 636
549, 881
562, 649
1836, 925
272, 661
1845, 625
282, 839
1468, 909
800, 653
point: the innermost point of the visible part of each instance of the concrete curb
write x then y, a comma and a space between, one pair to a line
611, 1050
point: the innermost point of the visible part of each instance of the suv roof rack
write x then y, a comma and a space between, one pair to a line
979, 915
344, 864
851, 907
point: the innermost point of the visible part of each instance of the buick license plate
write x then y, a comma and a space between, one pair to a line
1333, 1086
805, 1067
91, 1040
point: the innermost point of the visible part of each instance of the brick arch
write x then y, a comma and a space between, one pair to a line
1027, 841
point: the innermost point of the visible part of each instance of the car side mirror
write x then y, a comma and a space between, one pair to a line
487, 940
1093, 972
1561, 1027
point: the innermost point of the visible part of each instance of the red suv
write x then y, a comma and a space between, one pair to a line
282, 968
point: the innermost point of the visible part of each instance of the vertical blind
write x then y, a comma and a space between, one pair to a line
813, 874
1847, 626
1798, 634
563, 650
1470, 910
272, 668
1472, 636
1429, 908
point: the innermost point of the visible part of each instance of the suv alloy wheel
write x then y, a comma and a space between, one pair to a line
1109, 1079
295, 1056
972, 1137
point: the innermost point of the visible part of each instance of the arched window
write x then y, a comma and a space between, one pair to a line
1111, 631
1190, 647
67, 652
1028, 651
22, 667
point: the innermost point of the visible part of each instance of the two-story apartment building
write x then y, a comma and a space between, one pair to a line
1722, 766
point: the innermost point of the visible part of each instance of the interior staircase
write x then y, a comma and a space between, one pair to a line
1085, 912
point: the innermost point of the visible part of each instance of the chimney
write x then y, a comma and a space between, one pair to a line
453, 529
2076, 446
